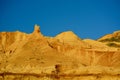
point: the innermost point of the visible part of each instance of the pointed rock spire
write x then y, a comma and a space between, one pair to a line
37, 32
36, 29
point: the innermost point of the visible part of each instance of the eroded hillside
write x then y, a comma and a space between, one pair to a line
112, 40
66, 55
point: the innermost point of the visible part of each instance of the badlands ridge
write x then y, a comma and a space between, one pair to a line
65, 54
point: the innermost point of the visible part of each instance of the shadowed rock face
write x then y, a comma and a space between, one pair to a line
34, 53
112, 40
115, 34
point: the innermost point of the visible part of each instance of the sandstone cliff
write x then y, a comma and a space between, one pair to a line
65, 53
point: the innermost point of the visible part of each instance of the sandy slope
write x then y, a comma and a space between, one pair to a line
36, 53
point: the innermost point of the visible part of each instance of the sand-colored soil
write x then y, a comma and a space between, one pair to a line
63, 57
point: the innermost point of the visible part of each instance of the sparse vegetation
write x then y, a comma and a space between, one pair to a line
65, 57
111, 44
116, 39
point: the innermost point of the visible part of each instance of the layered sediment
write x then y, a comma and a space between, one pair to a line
65, 56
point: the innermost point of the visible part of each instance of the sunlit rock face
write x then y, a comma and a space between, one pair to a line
112, 40
65, 56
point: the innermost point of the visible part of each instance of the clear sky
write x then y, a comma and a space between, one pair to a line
86, 18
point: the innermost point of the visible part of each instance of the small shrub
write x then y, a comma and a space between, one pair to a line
116, 39
113, 45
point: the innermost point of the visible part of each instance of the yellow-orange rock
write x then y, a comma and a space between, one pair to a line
35, 53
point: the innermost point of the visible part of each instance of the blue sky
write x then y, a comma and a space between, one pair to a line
86, 18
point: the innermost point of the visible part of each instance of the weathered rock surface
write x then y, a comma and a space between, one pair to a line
112, 40
66, 53
115, 34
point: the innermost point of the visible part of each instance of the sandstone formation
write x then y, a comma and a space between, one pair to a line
65, 54
112, 40
115, 34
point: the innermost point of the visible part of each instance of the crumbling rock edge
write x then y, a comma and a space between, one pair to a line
64, 54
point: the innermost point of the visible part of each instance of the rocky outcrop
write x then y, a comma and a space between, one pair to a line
65, 53
9, 38
112, 40
114, 36
37, 33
